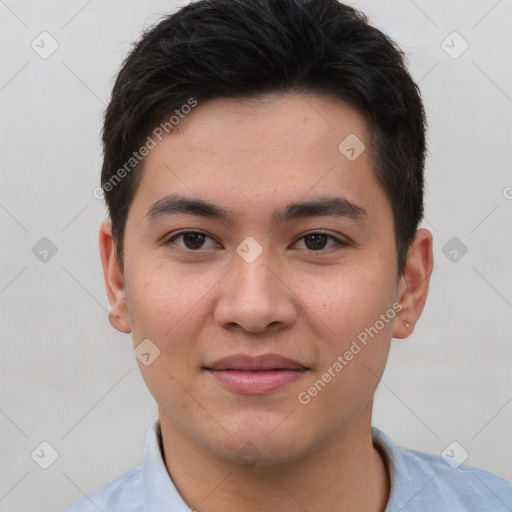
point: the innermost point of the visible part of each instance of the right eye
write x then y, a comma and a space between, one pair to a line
192, 240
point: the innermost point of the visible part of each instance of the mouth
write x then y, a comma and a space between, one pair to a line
255, 375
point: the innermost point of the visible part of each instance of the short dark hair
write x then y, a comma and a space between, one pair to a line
245, 48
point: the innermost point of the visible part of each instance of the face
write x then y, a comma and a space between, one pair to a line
260, 275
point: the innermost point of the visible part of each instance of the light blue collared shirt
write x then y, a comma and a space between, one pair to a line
419, 483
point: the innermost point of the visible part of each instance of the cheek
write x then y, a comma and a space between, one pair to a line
352, 302
352, 367
358, 310
161, 301
164, 309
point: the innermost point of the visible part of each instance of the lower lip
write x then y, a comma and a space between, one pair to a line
256, 382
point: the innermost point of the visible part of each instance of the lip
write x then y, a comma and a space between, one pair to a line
254, 363
255, 375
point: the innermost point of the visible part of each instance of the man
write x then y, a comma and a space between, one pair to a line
263, 170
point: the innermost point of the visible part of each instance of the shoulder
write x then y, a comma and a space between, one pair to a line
425, 482
471, 489
123, 493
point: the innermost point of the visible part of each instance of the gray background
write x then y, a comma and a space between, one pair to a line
69, 379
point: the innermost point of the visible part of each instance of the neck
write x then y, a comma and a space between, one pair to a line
345, 473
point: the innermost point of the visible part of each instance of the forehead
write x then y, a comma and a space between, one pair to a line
243, 153
293, 123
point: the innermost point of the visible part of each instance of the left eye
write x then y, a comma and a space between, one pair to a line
318, 241
193, 240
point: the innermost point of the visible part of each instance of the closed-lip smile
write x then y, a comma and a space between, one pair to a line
255, 375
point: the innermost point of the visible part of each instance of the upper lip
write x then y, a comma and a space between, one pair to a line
248, 363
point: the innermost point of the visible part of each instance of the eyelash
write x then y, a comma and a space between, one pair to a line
337, 241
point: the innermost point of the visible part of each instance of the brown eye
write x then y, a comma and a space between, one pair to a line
192, 240
318, 241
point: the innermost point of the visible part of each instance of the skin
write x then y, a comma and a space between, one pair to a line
308, 305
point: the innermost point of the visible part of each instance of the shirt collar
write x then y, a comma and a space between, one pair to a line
158, 489
408, 471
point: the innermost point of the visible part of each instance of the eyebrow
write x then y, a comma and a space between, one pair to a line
326, 206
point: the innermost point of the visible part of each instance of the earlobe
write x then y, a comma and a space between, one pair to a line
114, 281
414, 283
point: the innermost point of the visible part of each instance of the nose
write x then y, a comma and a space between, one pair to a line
255, 298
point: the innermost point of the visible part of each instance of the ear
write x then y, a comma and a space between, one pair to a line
414, 282
114, 281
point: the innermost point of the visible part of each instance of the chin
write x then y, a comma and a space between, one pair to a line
263, 452
263, 443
